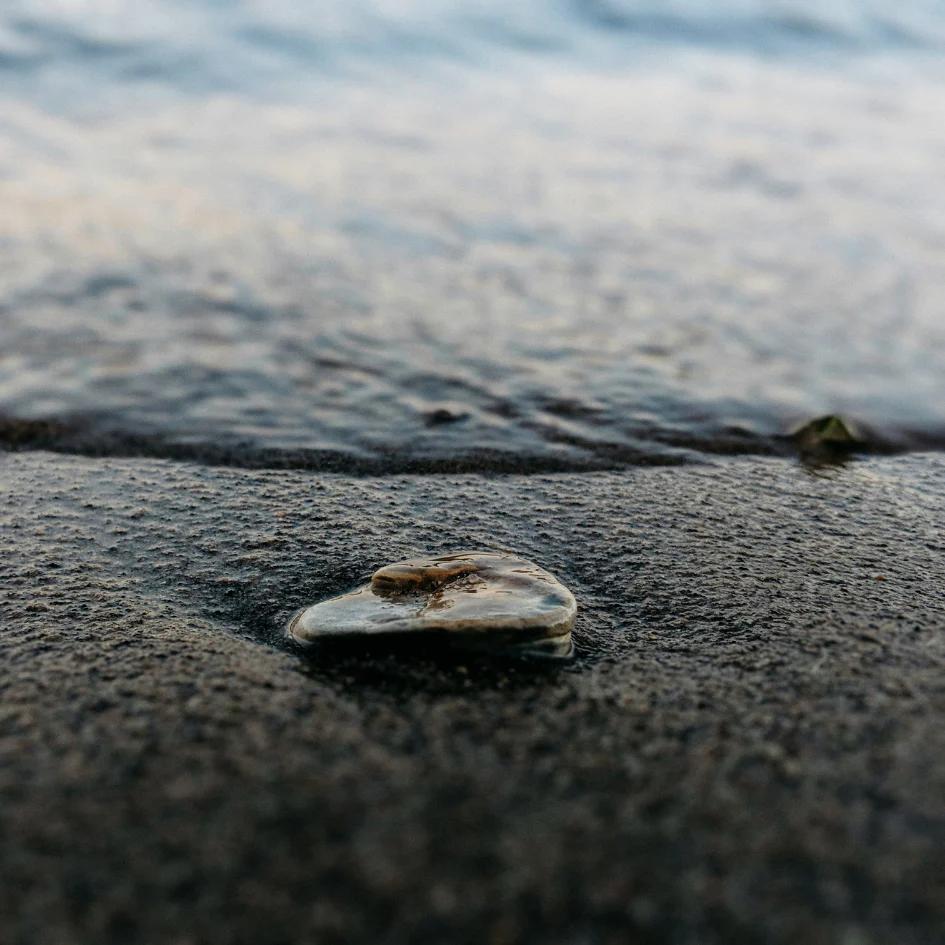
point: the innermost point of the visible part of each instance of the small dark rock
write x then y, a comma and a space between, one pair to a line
442, 415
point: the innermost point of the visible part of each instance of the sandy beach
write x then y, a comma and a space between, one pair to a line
293, 292
746, 748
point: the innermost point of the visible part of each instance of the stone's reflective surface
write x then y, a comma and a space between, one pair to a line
472, 598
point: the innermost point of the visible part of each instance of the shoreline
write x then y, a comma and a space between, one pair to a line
83, 437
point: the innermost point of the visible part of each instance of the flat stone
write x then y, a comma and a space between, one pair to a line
476, 598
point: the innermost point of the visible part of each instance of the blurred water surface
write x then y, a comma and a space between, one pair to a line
575, 230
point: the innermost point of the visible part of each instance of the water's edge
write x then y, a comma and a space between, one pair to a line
81, 438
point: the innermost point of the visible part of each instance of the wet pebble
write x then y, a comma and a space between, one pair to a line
480, 599
828, 433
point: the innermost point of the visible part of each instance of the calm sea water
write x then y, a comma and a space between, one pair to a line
565, 230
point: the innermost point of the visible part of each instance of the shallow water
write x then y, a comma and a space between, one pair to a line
589, 233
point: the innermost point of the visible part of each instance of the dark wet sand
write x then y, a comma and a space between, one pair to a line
749, 748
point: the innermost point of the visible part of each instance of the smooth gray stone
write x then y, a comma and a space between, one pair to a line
478, 598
